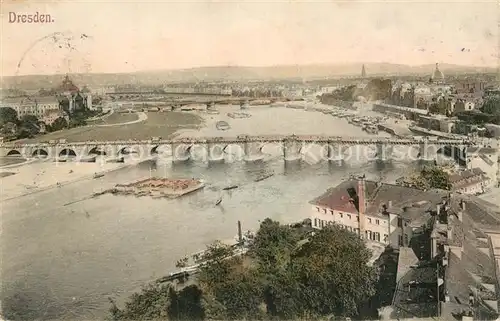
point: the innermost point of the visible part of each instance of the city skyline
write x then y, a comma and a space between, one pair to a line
171, 36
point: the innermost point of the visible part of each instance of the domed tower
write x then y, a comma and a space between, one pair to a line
437, 75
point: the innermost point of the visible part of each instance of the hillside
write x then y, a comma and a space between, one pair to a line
237, 73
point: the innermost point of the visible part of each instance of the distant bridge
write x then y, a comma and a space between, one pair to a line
252, 146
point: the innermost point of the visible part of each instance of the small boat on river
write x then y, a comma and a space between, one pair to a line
222, 125
230, 187
266, 176
218, 201
98, 175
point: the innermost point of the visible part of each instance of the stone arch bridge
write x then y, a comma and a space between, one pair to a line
292, 146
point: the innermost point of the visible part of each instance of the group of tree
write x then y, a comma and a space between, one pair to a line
375, 89
491, 106
345, 93
489, 113
27, 126
430, 177
287, 274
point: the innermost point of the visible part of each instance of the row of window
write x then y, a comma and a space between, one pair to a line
374, 236
348, 216
340, 213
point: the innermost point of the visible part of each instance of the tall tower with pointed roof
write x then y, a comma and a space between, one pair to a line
363, 71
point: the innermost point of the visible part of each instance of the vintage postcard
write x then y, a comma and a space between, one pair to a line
249, 160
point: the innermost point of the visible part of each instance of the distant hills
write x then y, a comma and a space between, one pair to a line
239, 73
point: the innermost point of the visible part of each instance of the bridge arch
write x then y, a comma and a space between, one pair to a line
67, 152
309, 148
127, 150
184, 151
97, 151
163, 149
277, 145
240, 148
14, 152
40, 152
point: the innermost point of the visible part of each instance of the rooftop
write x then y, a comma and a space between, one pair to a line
344, 197
483, 150
416, 294
467, 177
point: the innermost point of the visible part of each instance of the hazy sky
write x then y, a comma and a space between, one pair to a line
128, 36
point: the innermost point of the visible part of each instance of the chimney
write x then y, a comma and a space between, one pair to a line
438, 209
361, 206
389, 204
462, 205
240, 235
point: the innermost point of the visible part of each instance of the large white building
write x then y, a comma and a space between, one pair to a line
37, 106
383, 213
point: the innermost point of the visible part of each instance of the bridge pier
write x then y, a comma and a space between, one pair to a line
181, 152
291, 150
427, 152
215, 152
253, 151
384, 152
335, 152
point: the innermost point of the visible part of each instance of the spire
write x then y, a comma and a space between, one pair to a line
363, 71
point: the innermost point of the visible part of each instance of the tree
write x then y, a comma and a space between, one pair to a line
150, 304
58, 124
334, 273
8, 115
435, 177
431, 177
29, 124
186, 304
273, 245
231, 291
288, 274
491, 105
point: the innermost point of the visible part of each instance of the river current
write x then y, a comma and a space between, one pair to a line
62, 262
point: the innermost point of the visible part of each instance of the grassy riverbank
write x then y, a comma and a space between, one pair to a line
157, 125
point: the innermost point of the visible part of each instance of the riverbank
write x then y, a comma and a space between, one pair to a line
156, 125
37, 177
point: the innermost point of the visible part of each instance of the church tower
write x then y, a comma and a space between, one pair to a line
363, 72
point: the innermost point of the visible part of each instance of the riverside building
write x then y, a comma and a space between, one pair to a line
445, 245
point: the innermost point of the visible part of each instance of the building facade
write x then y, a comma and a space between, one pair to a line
36, 106
377, 212
470, 181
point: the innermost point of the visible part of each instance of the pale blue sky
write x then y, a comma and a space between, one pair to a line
129, 36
